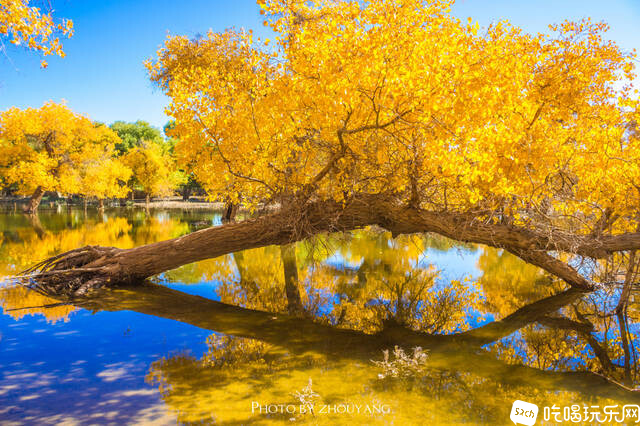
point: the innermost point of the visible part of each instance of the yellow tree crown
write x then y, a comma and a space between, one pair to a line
49, 146
402, 98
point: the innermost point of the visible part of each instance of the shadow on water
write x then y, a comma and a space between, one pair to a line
494, 331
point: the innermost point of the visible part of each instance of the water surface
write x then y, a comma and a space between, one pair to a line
211, 342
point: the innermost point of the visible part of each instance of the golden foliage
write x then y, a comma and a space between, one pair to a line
103, 176
58, 150
393, 281
153, 169
509, 283
403, 98
28, 26
29, 246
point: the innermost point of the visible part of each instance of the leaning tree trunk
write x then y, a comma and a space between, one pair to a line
80, 270
34, 201
85, 268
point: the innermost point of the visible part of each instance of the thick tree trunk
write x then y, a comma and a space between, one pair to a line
230, 212
274, 229
290, 266
100, 204
147, 200
34, 201
97, 266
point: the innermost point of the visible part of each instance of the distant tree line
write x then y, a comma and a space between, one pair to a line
53, 149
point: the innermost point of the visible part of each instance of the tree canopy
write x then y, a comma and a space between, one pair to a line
46, 148
153, 169
403, 99
103, 176
133, 135
54, 149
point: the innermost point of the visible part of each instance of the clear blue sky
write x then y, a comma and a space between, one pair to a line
103, 76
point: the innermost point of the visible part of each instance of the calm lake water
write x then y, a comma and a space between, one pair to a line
211, 342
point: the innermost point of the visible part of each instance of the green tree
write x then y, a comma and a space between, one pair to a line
133, 134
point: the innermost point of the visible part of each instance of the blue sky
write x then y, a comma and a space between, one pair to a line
103, 76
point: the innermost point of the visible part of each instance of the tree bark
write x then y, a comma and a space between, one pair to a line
147, 200
34, 201
100, 204
230, 213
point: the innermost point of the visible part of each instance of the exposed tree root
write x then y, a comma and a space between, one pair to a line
68, 273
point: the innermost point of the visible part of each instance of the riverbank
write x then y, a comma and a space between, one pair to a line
179, 204
164, 203
193, 203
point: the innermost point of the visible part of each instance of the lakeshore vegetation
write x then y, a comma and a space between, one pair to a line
54, 149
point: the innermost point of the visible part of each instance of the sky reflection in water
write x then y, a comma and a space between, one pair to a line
148, 355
